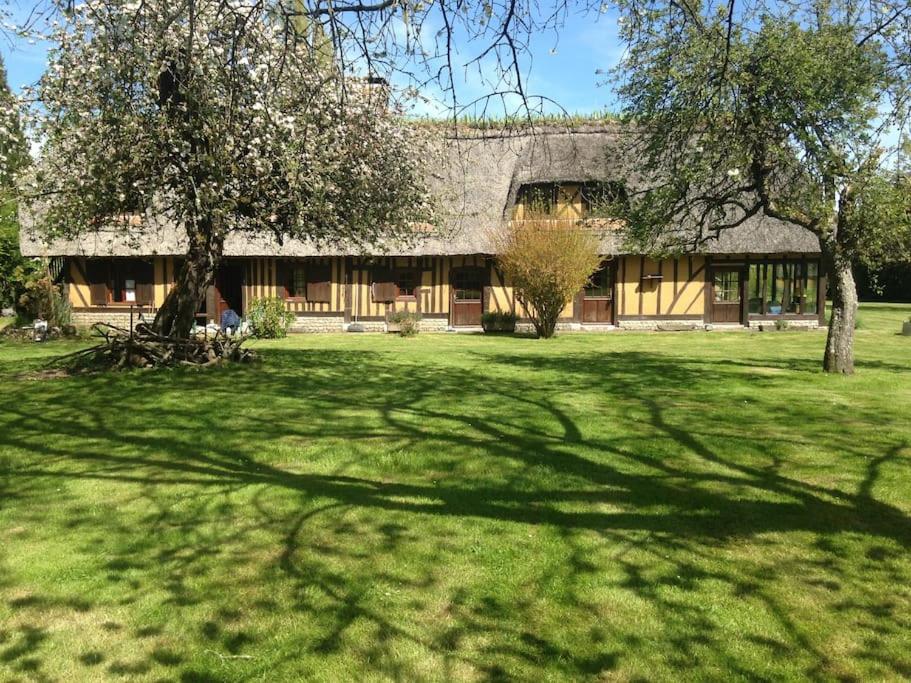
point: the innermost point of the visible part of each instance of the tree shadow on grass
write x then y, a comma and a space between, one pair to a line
497, 444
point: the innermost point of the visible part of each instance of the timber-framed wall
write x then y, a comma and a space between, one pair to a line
642, 290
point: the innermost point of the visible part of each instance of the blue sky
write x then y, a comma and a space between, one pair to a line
561, 67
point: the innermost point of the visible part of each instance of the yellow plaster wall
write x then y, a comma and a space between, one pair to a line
682, 294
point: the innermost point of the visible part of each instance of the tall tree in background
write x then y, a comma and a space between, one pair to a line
13, 158
219, 117
784, 109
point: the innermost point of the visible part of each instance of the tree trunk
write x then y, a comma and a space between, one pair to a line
839, 355
176, 316
543, 320
548, 325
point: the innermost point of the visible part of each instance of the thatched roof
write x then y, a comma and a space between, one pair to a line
476, 181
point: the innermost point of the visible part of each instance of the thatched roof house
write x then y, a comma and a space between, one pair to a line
478, 180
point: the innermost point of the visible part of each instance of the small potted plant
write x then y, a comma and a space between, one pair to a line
499, 322
906, 327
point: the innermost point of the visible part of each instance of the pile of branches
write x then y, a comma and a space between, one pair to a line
143, 348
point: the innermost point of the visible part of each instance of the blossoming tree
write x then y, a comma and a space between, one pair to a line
13, 157
220, 117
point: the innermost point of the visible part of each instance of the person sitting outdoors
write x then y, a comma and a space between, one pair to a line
230, 321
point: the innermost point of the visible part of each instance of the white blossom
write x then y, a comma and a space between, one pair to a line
270, 143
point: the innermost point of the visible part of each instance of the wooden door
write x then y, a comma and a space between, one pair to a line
596, 310
598, 297
467, 299
727, 295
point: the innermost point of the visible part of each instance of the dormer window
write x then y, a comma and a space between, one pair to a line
598, 197
538, 198
569, 200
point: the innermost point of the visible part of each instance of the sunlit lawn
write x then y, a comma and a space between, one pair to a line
631, 506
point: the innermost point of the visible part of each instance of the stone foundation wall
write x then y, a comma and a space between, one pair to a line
328, 323
648, 325
434, 325
528, 328
427, 325
89, 318
658, 324
370, 325
802, 324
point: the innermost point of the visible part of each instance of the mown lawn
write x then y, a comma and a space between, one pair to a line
625, 506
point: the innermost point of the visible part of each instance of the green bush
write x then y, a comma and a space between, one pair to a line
408, 322
16, 271
269, 318
499, 322
781, 324
43, 299
399, 317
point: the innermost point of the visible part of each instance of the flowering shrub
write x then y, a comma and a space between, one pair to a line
548, 262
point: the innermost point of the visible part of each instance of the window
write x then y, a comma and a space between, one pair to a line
538, 198
467, 284
598, 197
119, 281
757, 277
783, 288
727, 287
599, 284
310, 281
405, 282
124, 289
810, 288
124, 276
298, 288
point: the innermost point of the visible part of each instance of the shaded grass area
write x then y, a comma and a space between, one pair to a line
636, 506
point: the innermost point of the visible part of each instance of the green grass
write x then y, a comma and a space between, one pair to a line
631, 506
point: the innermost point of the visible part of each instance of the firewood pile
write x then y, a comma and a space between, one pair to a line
146, 348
